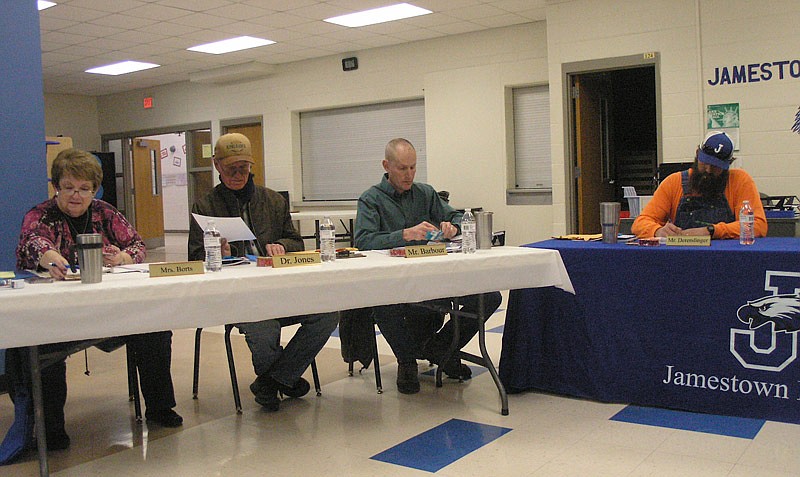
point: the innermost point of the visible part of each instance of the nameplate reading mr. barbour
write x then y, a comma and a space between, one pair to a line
297, 259
689, 240
414, 251
174, 269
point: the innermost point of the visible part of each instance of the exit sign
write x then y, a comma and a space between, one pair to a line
148, 102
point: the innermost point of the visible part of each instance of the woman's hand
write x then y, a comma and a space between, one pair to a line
113, 256
53, 262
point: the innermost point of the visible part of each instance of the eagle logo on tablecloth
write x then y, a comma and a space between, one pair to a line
770, 342
783, 311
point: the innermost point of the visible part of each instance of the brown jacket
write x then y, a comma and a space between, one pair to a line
270, 220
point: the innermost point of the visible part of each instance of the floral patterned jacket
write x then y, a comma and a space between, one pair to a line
45, 228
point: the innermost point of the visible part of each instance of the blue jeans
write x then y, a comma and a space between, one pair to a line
286, 365
391, 320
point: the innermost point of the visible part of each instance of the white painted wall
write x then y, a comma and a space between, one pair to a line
73, 116
729, 33
464, 80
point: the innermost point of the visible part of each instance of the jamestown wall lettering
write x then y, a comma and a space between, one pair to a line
755, 72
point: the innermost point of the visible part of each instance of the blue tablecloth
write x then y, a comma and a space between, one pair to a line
658, 326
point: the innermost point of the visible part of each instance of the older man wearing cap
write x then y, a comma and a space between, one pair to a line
266, 212
705, 199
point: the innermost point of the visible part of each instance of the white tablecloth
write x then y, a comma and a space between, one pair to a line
135, 303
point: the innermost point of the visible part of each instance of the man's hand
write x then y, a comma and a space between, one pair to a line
275, 249
418, 231
670, 229
225, 247
448, 230
698, 231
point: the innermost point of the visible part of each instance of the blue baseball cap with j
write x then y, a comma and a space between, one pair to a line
716, 150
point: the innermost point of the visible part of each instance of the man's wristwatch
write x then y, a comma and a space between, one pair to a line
710, 229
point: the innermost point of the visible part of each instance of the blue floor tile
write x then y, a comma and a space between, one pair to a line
442, 445
745, 428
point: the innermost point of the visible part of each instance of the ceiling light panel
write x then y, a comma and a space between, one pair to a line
122, 68
379, 15
231, 44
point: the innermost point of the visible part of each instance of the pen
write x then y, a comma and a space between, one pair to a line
74, 268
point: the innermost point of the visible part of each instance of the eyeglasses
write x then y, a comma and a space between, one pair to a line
83, 192
232, 171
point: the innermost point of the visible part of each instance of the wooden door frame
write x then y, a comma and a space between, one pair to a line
570, 70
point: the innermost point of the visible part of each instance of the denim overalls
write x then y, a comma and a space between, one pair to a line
697, 211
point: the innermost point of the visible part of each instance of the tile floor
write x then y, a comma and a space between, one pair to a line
453, 431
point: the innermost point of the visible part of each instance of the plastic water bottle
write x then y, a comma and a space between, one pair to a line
213, 248
468, 243
747, 223
327, 240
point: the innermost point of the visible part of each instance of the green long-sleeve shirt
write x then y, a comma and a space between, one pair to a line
383, 214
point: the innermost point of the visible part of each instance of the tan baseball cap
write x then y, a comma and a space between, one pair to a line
233, 147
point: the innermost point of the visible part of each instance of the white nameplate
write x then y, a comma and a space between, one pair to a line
174, 269
296, 259
689, 240
415, 251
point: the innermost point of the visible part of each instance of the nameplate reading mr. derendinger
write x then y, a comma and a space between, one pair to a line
174, 269
297, 259
689, 240
414, 251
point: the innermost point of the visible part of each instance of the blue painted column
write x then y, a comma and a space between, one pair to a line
23, 160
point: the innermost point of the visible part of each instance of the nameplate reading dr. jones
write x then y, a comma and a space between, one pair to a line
689, 240
298, 259
174, 269
414, 251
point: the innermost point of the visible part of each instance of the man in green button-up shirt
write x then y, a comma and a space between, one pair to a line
399, 212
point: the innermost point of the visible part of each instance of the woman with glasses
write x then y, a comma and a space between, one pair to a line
48, 243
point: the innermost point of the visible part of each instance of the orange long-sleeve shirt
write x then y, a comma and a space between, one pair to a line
664, 205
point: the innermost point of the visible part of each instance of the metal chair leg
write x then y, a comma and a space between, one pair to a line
376, 361
232, 367
196, 377
315, 374
133, 384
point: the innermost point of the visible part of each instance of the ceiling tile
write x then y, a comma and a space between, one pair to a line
79, 34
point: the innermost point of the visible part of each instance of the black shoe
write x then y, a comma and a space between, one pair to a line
165, 417
455, 369
407, 377
265, 390
300, 388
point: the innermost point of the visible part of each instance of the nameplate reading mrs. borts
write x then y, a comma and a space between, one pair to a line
689, 240
296, 259
174, 269
414, 251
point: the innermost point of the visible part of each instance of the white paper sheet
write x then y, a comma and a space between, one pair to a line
231, 228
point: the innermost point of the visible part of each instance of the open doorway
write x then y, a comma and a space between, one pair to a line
184, 153
614, 134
